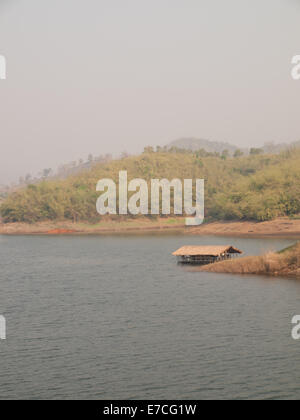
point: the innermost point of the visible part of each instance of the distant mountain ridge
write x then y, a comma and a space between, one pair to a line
194, 144
280, 147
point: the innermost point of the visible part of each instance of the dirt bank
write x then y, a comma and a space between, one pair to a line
278, 227
107, 226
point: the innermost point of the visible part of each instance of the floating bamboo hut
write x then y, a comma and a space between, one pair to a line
205, 254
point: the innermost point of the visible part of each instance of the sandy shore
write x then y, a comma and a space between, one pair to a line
63, 228
278, 227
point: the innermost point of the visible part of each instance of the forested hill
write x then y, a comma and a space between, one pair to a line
256, 187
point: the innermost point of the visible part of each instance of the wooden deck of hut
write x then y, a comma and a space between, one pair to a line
205, 254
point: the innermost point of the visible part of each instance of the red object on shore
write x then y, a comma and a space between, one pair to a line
59, 231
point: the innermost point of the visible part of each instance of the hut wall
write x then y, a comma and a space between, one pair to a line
202, 259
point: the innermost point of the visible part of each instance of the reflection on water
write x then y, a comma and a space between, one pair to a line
116, 317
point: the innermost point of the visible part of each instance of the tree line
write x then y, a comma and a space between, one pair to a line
253, 187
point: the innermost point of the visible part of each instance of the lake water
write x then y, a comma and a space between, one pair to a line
114, 317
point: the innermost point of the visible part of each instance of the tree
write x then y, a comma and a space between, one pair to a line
225, 154
238, 153
28, 178
46, 172
256, 151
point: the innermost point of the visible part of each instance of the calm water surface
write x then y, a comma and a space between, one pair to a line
105, 317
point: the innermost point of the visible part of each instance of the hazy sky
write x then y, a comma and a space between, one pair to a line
99, 76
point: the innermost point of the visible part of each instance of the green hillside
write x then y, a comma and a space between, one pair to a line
256, 187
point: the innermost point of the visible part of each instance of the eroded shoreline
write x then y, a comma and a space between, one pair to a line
279, 227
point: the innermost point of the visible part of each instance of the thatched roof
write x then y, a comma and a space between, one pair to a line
214, 251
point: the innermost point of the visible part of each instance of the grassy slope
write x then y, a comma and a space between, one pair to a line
247, 188
286, 262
